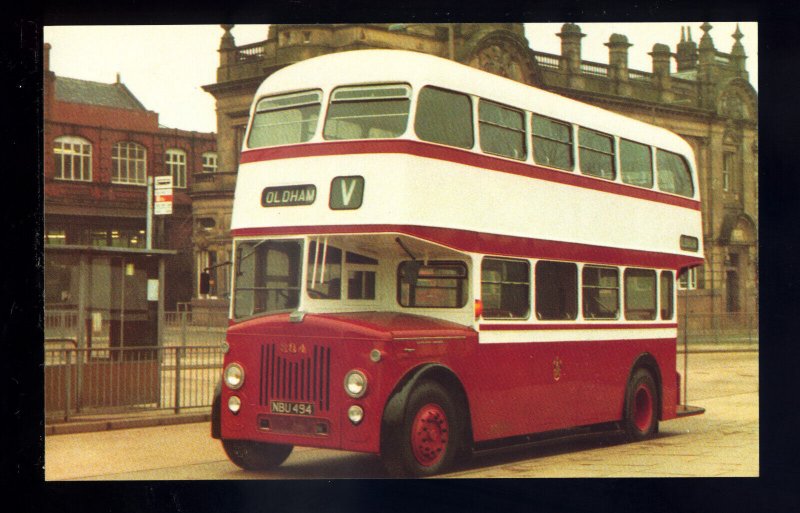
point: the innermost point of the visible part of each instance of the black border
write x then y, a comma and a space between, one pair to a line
21, 324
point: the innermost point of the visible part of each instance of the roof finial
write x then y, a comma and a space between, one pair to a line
705, 41
118, 78
738, 34
683, 34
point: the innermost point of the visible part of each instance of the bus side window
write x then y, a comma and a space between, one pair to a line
640, 294
600, 287
444, 117
673, 174
556, 285
667, 308
435, 285
596, 154
552, 143
502, 130
505, 288
636, 163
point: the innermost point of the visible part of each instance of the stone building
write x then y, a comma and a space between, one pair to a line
100, 146
705, 97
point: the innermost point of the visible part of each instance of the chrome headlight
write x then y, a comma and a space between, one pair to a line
234, 376
234, 404
355, 384
356, 414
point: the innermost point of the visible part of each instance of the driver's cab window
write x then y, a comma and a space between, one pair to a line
324, 279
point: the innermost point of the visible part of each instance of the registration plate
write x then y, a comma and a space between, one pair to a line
291, 408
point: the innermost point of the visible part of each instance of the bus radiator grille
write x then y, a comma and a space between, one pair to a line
300, 378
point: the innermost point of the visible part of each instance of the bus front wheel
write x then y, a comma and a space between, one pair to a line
427, 440
641, 411
256, 455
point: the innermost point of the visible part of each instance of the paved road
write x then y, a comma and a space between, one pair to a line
723, 442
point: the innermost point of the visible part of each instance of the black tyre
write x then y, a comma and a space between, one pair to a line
640, 419
256, 455
429, 437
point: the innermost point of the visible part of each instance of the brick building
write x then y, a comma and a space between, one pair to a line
100, 145
705, 97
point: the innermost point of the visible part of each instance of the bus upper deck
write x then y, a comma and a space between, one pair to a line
392, 141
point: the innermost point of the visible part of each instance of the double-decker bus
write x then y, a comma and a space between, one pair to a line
429, 260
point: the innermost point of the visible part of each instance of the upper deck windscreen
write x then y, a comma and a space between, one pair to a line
285, 119
367, 112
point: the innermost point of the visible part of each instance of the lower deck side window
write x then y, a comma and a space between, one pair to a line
640, 294
505, 288
600, 292
667, 308
556, 290
432, 285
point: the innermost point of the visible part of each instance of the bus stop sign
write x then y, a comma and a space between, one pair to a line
162, 192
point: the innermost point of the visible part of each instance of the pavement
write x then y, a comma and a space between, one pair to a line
103, 421
84, 423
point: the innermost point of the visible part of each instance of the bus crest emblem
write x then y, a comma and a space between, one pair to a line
557, 363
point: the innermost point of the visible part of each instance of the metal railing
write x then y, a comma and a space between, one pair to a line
129, 379
728, 328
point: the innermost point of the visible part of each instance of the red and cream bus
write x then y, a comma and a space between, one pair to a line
430, 259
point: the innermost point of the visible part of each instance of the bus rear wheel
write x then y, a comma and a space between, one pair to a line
429, 437
256, 455
641, 411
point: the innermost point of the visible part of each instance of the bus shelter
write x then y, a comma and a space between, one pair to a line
104, 315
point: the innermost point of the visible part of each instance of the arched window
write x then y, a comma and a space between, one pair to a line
176, 166
73, 159
209, 162
129, 163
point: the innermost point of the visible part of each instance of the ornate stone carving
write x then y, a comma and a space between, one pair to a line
499, 61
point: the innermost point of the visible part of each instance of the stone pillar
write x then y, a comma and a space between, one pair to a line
661, 56
707, 50
618, 56
227, 53
570, 62
618, 63
570, 47
706, 67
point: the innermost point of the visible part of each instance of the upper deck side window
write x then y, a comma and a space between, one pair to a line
502, 130
596, 154
552, 143
285, 119
368, 112
636, 163
674, 174
444, 117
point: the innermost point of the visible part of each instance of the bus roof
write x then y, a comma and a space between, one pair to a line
419, 69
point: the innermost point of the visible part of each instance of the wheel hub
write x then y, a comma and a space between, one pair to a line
429, 434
